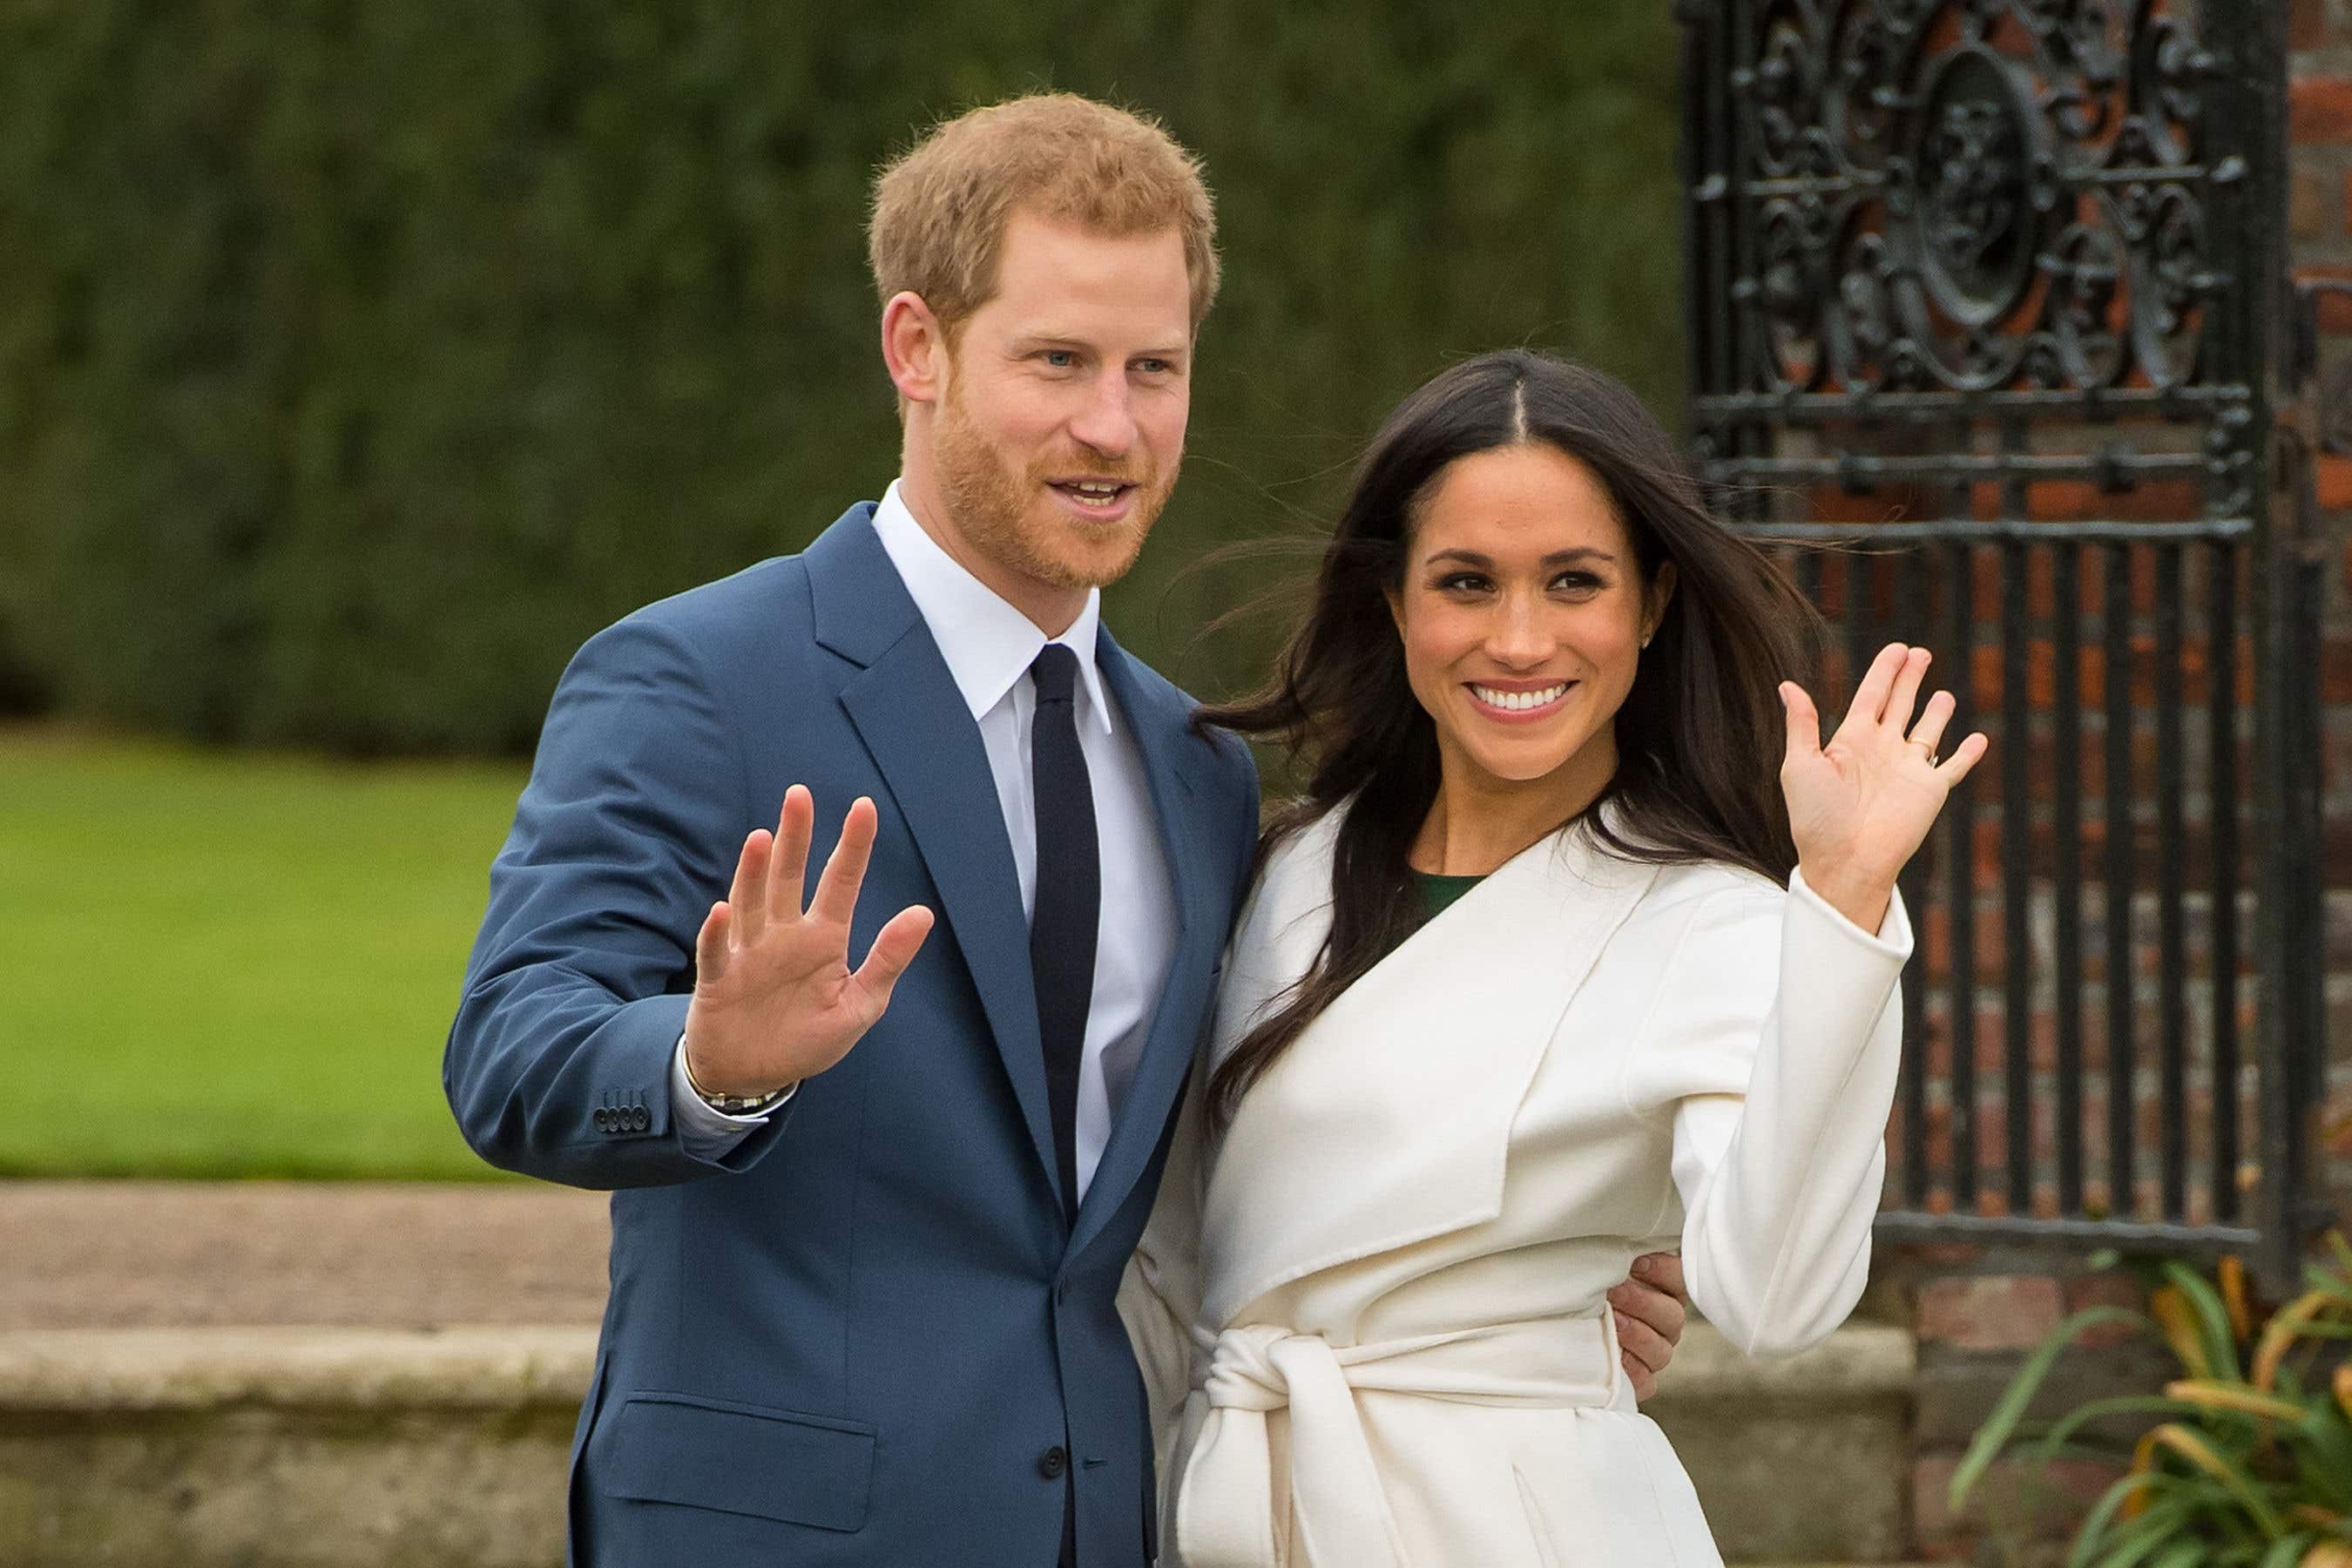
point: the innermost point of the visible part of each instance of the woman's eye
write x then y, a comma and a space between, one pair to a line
1461, 583
1575, 582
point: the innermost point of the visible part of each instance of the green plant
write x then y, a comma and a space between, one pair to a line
2249, 1459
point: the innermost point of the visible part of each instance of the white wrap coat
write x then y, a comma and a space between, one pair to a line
1373, 1313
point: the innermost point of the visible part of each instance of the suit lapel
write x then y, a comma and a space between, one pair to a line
913, 721
1172, 758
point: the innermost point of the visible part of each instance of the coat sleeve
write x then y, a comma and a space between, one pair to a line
558, 1063
1159, 1297
1773, 1041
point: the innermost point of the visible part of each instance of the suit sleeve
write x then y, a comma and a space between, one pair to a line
558, 1065
1774, 1042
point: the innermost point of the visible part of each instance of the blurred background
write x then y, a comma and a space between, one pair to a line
357, 362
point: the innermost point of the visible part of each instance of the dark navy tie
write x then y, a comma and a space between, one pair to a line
1069, 900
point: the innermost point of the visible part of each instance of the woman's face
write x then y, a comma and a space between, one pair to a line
1523, 612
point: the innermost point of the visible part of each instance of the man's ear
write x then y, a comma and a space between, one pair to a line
915, 348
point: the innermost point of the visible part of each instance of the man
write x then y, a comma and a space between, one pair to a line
871, 1221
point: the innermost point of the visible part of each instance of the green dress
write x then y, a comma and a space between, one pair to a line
1439, 893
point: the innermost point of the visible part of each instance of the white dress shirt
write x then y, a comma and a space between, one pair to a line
989, 647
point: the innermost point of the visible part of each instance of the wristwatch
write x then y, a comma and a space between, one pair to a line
732, 1104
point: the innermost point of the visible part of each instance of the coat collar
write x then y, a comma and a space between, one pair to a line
1411, 1079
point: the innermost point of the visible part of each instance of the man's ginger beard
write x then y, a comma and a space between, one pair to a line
998, 511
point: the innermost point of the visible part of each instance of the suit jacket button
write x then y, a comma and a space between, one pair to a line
640, 1118
603, 1119
1052, 1462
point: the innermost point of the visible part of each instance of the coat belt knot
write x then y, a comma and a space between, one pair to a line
1224, 1502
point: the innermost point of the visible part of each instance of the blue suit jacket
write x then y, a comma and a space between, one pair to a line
858, 1336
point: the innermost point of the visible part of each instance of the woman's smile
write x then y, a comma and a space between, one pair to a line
1519, 701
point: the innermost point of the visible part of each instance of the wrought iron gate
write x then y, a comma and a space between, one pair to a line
1991, 294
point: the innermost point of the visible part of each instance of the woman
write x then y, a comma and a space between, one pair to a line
1544, 973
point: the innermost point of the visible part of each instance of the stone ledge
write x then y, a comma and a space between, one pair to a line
1859, 1362
343, 1447
100, 1371
502, 1368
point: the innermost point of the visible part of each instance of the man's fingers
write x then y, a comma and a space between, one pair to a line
837, 890
711, 945
748, 896
1804, 722
1644, 1343
1663, 1270
894, 946
788, 878
1660, 1314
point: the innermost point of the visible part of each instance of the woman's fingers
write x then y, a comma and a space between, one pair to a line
748, 896
1965, 755
1929, 732
1804, 722
1905, 696
837, 890
1877, 684
711, 945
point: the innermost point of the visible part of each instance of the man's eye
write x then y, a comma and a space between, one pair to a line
1060, 359
1153, 366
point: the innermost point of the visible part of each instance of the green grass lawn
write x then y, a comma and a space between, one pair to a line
221, 965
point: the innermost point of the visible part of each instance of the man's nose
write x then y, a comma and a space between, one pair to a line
1107, 423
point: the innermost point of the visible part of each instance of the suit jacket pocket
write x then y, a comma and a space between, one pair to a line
738, 1458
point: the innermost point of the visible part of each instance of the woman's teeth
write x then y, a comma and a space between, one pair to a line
1518, 700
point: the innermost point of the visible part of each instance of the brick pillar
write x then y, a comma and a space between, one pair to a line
2320, 226
1976, 1311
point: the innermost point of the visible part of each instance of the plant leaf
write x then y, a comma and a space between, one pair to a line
2094, 1525
2231, 1395
2180, 1440
2171, 1309
2285, 1327
2000, 1425
2211, 1317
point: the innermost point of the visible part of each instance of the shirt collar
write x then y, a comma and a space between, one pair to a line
988, 645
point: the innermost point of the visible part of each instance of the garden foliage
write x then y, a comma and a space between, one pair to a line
357, 361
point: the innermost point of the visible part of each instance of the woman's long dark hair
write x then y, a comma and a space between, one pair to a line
1700, 735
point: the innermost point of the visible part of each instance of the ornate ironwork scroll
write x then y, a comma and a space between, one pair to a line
1997, 284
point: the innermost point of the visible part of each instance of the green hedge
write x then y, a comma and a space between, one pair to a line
357, 359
